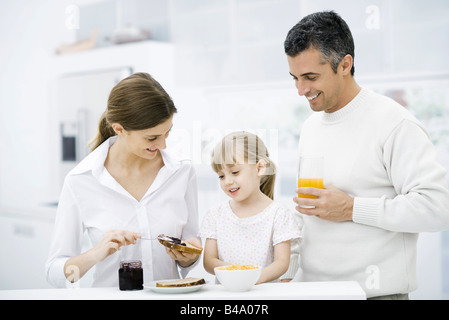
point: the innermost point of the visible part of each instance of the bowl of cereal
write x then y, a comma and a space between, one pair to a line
238, 277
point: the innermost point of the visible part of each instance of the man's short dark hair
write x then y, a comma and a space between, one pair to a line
325, 31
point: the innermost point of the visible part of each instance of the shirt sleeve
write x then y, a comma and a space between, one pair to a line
209, 226
285, 226
66, 239
190, 230
422, 200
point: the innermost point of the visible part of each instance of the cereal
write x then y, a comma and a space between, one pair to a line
238, 267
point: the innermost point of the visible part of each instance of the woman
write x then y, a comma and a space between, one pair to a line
126, 188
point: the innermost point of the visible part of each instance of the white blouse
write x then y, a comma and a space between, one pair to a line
249, 240
92, 200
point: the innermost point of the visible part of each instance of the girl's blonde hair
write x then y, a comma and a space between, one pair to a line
244, 147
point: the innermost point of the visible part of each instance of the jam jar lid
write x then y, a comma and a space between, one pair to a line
131, 264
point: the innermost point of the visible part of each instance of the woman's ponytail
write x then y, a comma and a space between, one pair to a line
105, 131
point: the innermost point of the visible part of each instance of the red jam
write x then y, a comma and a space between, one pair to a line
130, 275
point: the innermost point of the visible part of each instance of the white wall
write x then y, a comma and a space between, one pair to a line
30, 33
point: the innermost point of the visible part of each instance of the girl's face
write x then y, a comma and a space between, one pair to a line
240, 181
147, 143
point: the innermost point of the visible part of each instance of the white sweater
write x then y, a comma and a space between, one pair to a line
377, 152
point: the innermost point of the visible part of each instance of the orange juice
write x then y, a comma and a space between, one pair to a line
314, 183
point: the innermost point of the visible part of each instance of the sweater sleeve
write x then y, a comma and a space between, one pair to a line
421, 203
294, 260
295, 245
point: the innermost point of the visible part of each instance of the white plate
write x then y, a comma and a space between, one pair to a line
152, 287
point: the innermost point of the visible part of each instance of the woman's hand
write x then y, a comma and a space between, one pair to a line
185, 259
76, 267
112, 241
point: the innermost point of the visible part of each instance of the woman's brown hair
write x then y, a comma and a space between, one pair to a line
137, 102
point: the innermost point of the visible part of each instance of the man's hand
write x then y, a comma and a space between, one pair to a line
331, 203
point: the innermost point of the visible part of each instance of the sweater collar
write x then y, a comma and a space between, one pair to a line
347, 109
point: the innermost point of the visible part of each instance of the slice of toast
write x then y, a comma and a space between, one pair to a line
187, 282
177, 244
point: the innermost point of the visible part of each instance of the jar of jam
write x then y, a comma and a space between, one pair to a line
130, 275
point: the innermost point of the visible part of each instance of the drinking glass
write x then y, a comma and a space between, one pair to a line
310, 174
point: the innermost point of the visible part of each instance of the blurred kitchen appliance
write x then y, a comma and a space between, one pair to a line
82, 98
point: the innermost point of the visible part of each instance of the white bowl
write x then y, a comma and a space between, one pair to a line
238, 280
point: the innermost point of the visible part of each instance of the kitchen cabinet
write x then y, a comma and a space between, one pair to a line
25, 236
153, 57
79, 89
241, 41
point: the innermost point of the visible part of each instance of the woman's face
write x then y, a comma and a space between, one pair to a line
147, 143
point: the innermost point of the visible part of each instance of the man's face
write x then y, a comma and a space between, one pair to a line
317, 81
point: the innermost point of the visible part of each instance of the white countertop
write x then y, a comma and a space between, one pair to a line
339, 290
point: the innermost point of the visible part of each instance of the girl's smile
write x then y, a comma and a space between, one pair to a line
234, 191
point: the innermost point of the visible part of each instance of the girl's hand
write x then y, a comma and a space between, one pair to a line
112, 241
185, 259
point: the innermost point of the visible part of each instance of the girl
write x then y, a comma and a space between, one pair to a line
128, 186
251, 228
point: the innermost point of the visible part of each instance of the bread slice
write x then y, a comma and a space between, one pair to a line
187, 282
177, 244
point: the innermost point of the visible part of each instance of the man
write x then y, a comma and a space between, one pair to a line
383, 184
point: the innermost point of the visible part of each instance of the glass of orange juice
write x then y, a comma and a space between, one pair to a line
310, 174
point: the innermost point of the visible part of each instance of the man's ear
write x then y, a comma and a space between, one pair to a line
261, 167
346, 64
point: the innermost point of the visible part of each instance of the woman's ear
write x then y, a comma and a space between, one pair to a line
118, 128
261, 167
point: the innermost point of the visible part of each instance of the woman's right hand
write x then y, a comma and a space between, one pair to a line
112, 241
76, 267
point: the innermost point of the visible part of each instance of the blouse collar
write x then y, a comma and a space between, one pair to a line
95, 160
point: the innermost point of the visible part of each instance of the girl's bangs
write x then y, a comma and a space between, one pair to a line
225, 154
